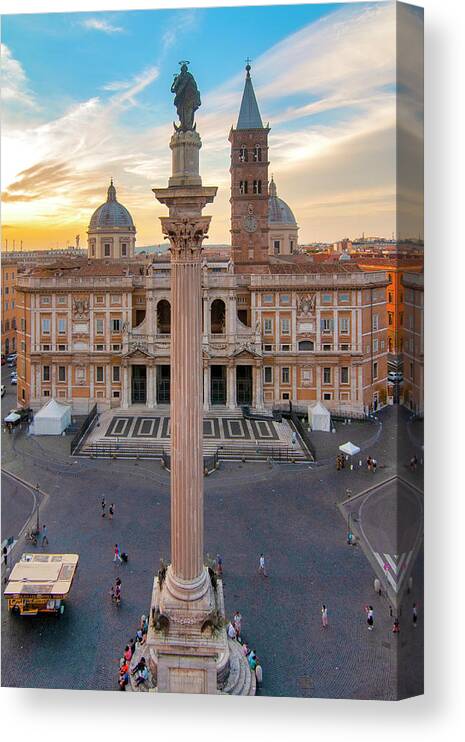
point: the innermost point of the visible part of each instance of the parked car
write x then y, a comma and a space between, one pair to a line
12, 364
11, 357
14, 380
3, 390
395, 377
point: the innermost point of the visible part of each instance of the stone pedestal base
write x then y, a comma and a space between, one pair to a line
185, 147
187, 648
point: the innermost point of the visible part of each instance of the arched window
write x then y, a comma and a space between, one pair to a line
163, 317
257, 153
243, 154
243, 187
306, 345
257, 186
218, 317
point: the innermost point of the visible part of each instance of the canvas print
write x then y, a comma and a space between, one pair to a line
212, 351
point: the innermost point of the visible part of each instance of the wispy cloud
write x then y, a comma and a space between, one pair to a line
98, 24
14, 88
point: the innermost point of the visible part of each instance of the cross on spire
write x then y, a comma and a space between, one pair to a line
247, 66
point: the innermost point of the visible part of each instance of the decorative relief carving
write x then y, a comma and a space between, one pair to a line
306, 305
185, 236
81, 308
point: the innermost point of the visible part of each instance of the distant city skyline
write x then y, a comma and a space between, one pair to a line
86, 97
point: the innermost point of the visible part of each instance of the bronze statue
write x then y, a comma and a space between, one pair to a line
187, 98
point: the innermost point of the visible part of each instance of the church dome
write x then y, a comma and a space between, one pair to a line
111, 214
278, 210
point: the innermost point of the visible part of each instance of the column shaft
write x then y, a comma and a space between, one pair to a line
186, 418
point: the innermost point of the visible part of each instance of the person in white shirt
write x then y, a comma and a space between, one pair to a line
261, 566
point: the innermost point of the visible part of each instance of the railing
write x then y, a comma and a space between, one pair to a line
210, 462
318, 279
83, 430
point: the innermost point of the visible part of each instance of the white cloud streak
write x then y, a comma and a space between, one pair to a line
14, 88
98, 24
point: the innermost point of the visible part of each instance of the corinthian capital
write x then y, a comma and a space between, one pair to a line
185, 236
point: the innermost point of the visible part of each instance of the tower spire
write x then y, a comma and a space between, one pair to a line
249, 114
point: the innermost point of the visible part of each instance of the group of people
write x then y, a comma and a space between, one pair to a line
340, 461
234, 631
370, 618
139, 671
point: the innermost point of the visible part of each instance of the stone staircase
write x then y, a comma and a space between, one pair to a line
241, 680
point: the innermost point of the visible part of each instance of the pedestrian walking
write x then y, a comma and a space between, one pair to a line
369, 463
374, 464
370, 617
261, 566
44, 535
103, 506
324, 616
5, 556
111, 510
414, 615
117, 555
396, 626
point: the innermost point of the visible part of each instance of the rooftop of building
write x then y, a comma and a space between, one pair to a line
249, 114
279, 213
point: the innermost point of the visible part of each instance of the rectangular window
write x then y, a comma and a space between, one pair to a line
267, 348
45, 300
46, 373
375, 345
285, 299
116, 347
62, 347
99, 347
285, 326
107, 250
390, 318
116, 325
327, 375
344, 374
285, 348
285, 395
285, 375
46, 392
267, 326
115, 298
390, 297
116, 373
23, 324
268, 298
61, 300
62, 327
99, 374
99, 326
268, 374
375, 322
327, 395
124, 249
345, 346
344, 325
375, 370
100, 299
45, 327
327, 298
327, 325
243, 187
116, 393
277, 246
343, 297
326, 346
61, 373
291, 246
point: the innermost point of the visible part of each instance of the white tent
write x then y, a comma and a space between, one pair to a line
52, 419
349, 448
319, 417
13, 417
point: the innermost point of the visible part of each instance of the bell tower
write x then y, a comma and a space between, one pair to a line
249, 182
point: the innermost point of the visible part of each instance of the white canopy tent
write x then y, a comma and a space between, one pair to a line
13, 417
349, 449
52, 419
319, 417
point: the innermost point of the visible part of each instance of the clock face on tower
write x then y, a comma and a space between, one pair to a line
250, 223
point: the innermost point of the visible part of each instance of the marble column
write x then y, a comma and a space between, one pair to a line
188, 656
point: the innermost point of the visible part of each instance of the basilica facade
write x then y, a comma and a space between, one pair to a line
277, 327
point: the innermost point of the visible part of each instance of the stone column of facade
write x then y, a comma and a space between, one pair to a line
187, 642
231, 386
206, 386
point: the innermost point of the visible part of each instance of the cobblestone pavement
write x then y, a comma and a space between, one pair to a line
288, 512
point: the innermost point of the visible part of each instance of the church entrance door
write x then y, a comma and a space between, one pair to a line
244, 389
139, 385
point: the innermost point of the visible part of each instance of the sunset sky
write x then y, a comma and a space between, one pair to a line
86, 97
